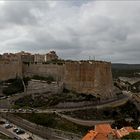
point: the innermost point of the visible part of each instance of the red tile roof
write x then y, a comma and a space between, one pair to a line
104, 129
90, 135
124, 131
129, 129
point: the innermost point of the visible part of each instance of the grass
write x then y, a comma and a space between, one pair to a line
132, 136
2, 136
56, 122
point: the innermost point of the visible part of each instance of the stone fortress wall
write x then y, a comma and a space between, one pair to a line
89, 77
57, 71
10, 70
82, 77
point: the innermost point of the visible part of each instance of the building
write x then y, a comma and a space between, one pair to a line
39, 58
105, 132
51, 56
123, 131
101, 132
25, 57
9, 57
91, 135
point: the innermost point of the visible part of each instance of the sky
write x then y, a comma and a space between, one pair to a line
76, 29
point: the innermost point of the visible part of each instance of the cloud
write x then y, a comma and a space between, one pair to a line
75, 29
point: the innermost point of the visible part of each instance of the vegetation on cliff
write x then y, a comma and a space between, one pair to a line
45, 100
12, 86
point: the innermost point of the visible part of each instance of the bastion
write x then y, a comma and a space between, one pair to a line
87, 77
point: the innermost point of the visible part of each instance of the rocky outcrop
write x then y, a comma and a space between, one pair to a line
39, 86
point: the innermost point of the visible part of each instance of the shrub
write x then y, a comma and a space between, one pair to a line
49, 78
133, 135
15, 86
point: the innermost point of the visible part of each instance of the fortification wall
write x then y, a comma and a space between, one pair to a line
82, 77
57, 71
90, 78
10, 70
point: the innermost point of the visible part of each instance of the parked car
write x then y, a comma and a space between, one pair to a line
18, 131
15, 129
7, 126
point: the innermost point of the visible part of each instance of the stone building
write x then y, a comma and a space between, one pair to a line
105, 132
51, 56
39, 58
25, 57
9, 57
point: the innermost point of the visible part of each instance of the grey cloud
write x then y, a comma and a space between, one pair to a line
22, 12
75, 29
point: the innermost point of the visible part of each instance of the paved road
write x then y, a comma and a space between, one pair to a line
6, 132
103, 105
83, 122
113, 103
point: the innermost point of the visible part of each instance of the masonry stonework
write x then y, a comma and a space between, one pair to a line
82, 77
90, 78
10, 71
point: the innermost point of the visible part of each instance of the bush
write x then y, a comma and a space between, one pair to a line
15, 86
27, 101
49, 78
56, 122
133, 135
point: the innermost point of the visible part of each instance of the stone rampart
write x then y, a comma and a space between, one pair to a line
10, 70
57, 71
82, 77
90, 78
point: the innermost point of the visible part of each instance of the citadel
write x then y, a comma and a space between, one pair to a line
85, 76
